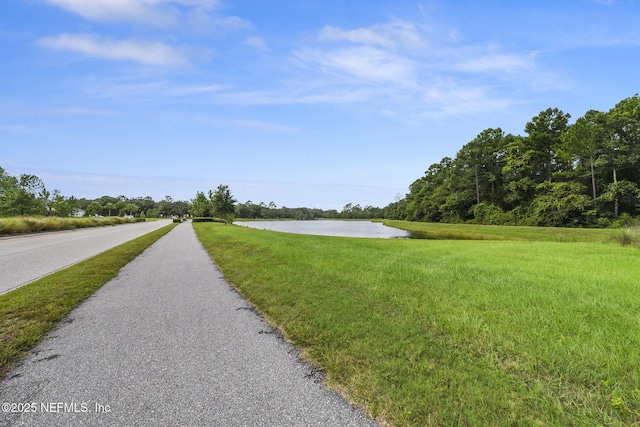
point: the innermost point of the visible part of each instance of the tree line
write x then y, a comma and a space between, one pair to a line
557, 174
27, 195
251, 210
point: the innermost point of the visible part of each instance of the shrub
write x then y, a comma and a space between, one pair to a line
208, 219
625, 220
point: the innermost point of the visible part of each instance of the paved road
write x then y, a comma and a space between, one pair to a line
169, 342
24, 259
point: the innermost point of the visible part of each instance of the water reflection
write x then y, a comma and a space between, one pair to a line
331, 228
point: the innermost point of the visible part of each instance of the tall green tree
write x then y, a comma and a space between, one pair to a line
145, 204
429, 192
544, 139
584, 141
94, 208
200, 205
32, 195
481, 160
518, 173
25, 195
223, 203
621, 149
61, 205
623, 121
9, 187
110, 206
131, 209
623, 193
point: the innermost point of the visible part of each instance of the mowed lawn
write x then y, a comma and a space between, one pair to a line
453, 332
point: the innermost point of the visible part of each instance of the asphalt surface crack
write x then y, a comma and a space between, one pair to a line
52, 357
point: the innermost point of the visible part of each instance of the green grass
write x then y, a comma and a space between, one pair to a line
15, 225
28, 313
441, 231
425, 332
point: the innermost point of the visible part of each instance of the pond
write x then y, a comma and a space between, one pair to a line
331, 228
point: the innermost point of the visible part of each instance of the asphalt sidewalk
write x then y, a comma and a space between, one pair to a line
166, 343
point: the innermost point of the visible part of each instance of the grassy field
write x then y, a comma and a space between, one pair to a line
454, 332
15, 225
28, 313
439, 231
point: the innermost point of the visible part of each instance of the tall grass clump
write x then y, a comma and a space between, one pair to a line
13, 226
455, 332
16, 225
630, 236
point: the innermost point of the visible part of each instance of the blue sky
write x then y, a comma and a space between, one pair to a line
303, 103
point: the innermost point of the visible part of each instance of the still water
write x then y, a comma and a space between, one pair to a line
330, 228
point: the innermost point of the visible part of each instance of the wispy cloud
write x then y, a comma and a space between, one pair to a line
497, 62
604, 2
294, 96
80, 111
37, 110
363, 62
256, 43
142, 87
149, 53
156, 12
260, 125
115, 10
400, 68
190, 21
408, 70
191, 15
17, 129
394, 34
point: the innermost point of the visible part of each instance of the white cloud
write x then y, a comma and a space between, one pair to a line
452, 98
191, 90
18, 129
115, 10
81, 111
604, 2
363, 62
260, 125
139, 88
149, 53
394, 34
256, 43
497, 63
158, 12
410, 70
293, 96
199, 16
